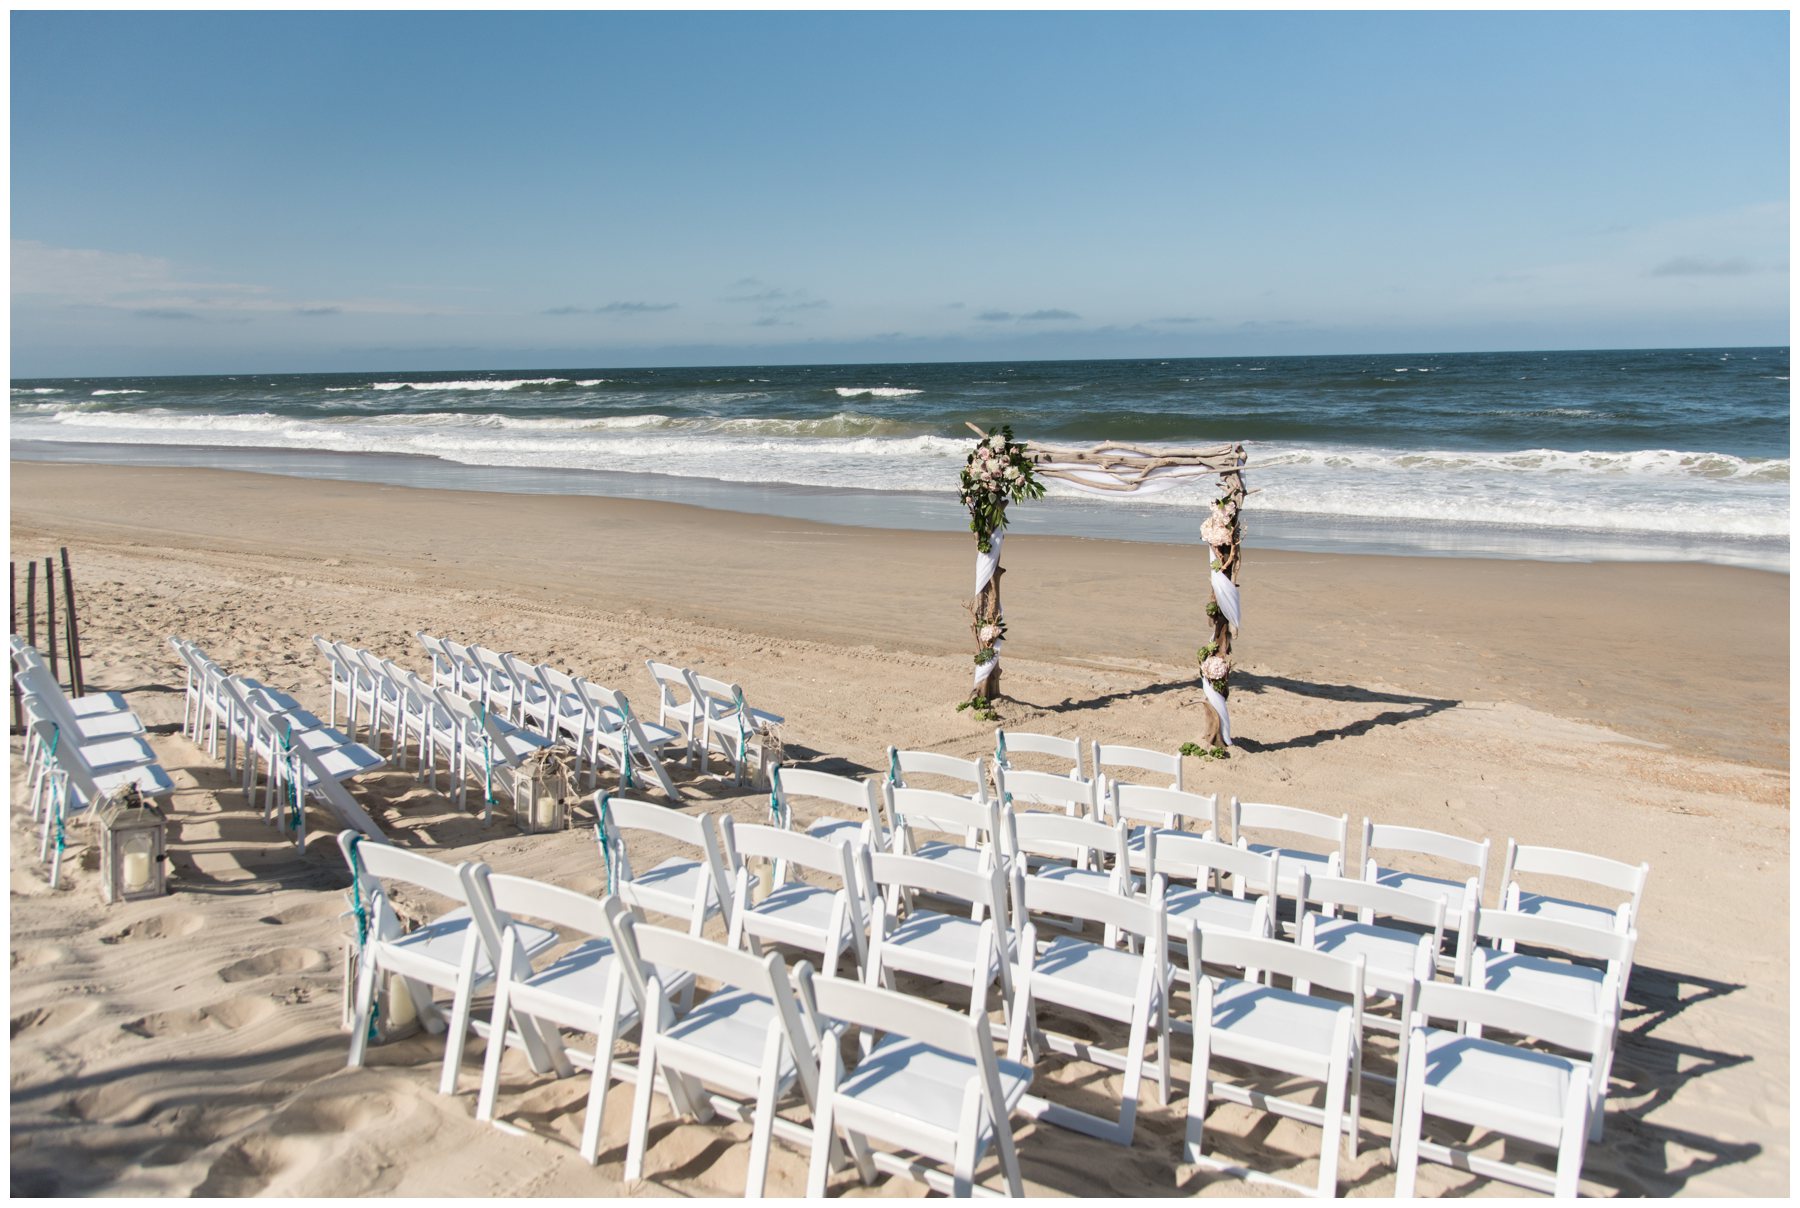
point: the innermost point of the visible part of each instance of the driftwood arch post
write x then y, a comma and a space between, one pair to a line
1001, 470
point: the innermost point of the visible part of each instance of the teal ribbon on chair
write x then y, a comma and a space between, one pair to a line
487, 757
292, 763
743, 717
1000, 748
893, 767
775, 794
362, 928
57, 799
625, 720
604, 838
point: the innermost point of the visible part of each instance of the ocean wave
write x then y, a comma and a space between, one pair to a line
98, 393
37, 390
1671, 462
874, 391
477, 384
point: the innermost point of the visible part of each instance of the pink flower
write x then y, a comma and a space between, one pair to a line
1215, 669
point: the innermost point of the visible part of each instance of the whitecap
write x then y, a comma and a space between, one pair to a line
875, 391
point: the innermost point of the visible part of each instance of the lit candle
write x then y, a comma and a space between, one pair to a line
543, 812
137, 871
765, 880
401, 1010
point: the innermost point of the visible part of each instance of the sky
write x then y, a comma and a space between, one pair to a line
304, 192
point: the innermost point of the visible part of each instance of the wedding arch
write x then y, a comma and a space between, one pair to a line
1000, 471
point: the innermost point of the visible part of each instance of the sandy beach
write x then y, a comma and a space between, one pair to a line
191, 1045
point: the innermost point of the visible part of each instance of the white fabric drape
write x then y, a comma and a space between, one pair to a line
1218, 706
1093, 481
986, 566
1226, 593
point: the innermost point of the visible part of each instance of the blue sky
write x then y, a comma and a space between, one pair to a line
218, 192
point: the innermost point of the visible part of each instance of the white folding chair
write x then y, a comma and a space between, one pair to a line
1018, 742
323, 774
1099, 980
498, 691
1190, 864
1349, 923
464, 675
1466, 856
1457, 1075
931, 1086
690, 890
1146, 809
587, 988
814, 918
567, 715
750, 1037
618, 737
1614, 875
1077, 851
92, 703
686, 717
1323, 829
730, 724
445, 953
493, 745
969, 777
1022, 790
1493, 963
974, 824
870, 829
973, 950
1290, 1032
35, 678
1110, 758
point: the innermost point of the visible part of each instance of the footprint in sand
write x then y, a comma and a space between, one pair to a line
247, 1166
38, 957
158, 927
306, 912
44, 1018
227, 1016
276, 960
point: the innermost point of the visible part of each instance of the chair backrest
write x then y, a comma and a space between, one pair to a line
1019, 789
983, 887
46, 730
1385, 837
524, 675
1305, 967
1246, 815
467, 668
785, 848
1143, 916
558, 683
1576, 866
1369, 901
497, 899
789, 783
36, 679
669, 679
329, 652
975, 822
441, 662
1191, 858
1165, 809
1610, 944
1083, 842
382, 863
721, 700
620, 814
902, 764
1008, 743
480, 727
875, 1009
1478, 1009
1111, 756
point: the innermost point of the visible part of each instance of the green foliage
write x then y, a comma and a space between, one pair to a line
1200, 752
996, 472
984, 708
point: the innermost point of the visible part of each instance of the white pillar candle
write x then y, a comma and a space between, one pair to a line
543, 812
137, 871
765, 880
401, 1010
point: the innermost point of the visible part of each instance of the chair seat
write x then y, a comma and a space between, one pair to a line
1209, 909
927, 1085
150, 779
116, 754
1088, 878
834, 830
97, 703
581, 974
1390, 955
657, 736
797, 905
108, 725
928, 938
1094, 973
1554, 983
1292, 860
1427, 887
951, 855
1515, 1091
442, 940
1274, 1028
341, 763
1568, 911
733, 1024
677, 877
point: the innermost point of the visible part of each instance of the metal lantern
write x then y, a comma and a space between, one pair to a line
542, 786
133, 832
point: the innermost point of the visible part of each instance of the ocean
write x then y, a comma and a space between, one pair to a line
1668, 454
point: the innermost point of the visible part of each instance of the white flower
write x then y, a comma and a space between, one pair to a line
1013, 474
988, 633
1215, 668
1216, 532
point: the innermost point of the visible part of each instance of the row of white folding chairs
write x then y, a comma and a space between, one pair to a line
300, 757
76, 752
1397, 932
1246, 1018
1327, 837
559, 706
712, 714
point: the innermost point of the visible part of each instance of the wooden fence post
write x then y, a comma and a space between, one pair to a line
72, 634
50, 619
31, 603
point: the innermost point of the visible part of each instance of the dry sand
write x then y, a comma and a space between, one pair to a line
191, 1044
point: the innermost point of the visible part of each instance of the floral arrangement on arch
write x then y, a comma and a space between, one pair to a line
997, 472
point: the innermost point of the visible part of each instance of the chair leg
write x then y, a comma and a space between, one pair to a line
1336, 1088
1199, 1089
763, 1122
597, 1086
640, 1106
365, 1002
1412, 1121
459, 1033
